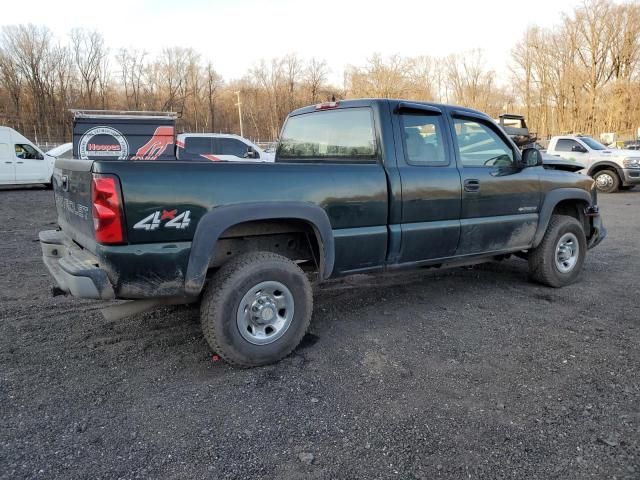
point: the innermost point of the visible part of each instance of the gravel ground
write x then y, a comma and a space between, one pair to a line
467, 373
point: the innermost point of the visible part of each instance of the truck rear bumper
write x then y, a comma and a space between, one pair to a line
75, 270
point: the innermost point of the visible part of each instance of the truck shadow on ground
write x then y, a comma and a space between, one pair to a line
343, 300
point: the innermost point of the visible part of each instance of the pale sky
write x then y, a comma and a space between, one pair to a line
236, 34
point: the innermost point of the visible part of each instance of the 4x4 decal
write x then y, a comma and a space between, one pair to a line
175, 220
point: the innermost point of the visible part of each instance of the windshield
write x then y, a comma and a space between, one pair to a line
593, 145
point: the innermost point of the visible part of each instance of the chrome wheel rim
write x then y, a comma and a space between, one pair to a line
567, 251
604, 181
265, 312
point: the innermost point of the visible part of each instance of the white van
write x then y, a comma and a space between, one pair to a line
219, 147
21, 162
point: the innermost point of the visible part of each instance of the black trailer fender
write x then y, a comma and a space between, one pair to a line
551, 199
215, 222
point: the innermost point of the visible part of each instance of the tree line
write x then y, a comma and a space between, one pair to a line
582, 75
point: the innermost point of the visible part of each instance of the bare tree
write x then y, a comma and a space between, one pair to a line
213, 83
12, 81
316, 77
28, 47
89, 54
132, 67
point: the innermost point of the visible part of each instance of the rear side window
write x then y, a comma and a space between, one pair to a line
345, 135
194, 147
565, 145
423, 139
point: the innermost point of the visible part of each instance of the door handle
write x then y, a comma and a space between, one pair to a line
8, 162
472, 185
19, 162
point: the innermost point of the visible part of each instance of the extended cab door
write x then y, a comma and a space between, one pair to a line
500, 199
430, 184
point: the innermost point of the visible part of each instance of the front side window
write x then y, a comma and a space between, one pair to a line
340, 135
424, 143
480, 146
593, 144
230, 146
27, 152
566, 145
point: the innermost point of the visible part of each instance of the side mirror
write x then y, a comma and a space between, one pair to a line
578, 149
251, 153
531, 157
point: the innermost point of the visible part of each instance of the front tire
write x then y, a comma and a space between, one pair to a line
558, 260
256, 309
607, 181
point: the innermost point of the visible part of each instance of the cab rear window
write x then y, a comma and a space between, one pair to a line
344, 135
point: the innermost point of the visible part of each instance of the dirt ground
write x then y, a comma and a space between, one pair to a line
467, 373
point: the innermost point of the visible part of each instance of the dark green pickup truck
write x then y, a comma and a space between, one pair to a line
357, 186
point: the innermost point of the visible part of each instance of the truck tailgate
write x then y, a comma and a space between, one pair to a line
72, 188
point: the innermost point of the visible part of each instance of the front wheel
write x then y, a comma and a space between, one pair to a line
256, 309
558, 260
607, 181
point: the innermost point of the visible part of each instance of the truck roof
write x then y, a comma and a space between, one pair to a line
572, 135
364, 102
212, 135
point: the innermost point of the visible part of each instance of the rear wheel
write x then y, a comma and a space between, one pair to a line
558, 260
256, 309
607, 181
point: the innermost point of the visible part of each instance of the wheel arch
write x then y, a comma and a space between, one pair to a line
562, 198
220, 219
606, 165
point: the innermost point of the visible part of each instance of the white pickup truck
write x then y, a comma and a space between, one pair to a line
219, 147
612, 169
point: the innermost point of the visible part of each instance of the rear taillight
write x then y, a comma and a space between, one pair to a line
107, 209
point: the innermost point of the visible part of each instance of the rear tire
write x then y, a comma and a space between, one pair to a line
558, 260
607, 181
256, 309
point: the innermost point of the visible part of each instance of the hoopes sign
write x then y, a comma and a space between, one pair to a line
103, 141
119, 135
